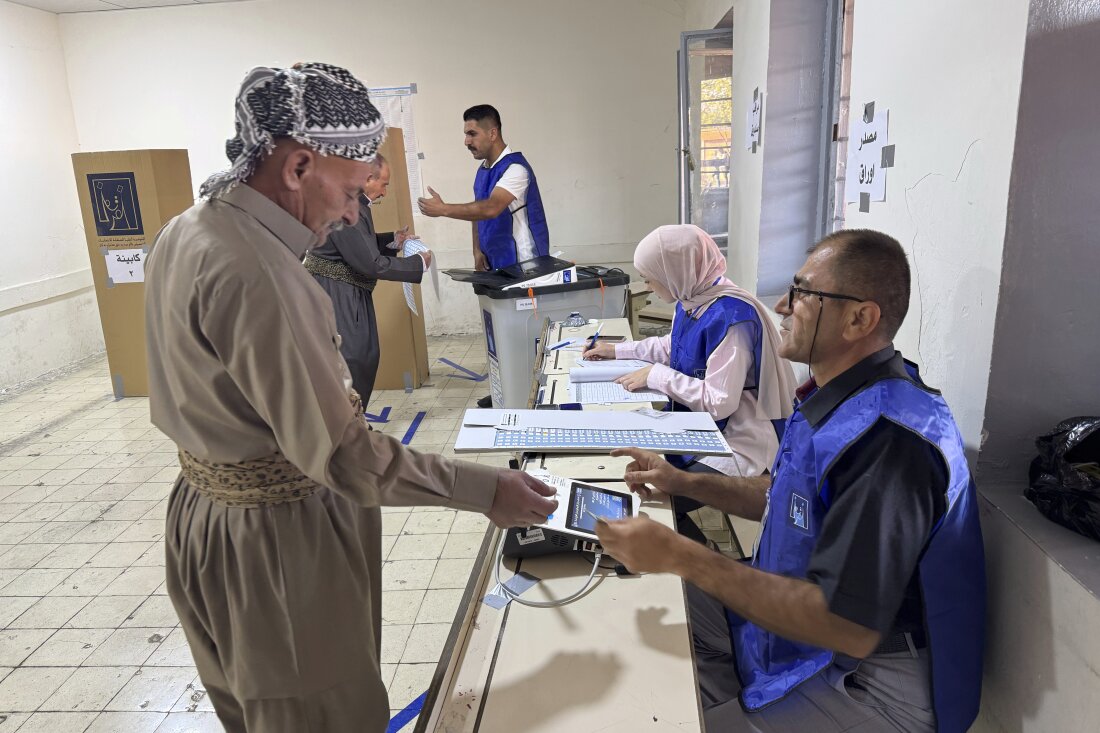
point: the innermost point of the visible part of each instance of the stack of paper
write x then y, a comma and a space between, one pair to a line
592, 381
411, 248
597, 393
604, 370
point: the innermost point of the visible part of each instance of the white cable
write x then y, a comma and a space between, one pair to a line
512, 595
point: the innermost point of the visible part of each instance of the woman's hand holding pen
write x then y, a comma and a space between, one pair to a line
602, 350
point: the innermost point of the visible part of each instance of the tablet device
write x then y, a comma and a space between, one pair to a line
580, 503
588, 504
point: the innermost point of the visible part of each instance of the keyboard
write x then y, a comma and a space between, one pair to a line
540, 438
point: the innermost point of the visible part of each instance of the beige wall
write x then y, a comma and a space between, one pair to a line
947, 196
1044, 580
48, 315
1042, 651
702, 15
953, 90
751, 33
586, 90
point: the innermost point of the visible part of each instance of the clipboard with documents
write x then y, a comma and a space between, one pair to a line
604, 370
596, 393
593, 382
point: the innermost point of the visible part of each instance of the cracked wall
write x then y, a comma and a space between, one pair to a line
949, 74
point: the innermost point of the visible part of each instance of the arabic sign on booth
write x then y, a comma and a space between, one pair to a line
125, 265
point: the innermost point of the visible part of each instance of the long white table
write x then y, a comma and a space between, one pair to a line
618, 659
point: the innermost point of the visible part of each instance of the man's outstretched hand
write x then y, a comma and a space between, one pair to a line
431, 205
642, 545
649, 468
521, 500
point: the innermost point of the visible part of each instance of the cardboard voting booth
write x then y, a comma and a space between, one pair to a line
401, 334
126, 196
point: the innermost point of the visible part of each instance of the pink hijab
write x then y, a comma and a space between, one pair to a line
684, 259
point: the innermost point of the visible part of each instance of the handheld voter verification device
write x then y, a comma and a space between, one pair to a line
572, 526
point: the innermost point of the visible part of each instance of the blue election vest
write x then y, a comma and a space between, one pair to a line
695, 339
495, 235
951, 570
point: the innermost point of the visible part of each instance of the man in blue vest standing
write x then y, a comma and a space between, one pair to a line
509, 221
863, 607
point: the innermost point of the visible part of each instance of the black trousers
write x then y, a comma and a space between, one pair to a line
358, 328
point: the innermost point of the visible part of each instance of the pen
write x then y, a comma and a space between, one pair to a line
596, 517
592, 343
562, 344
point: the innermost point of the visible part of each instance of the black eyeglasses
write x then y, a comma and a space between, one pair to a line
821, 294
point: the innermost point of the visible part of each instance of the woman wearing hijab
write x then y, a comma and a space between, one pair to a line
721, 356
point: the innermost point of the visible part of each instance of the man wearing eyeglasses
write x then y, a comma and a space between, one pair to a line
863, 605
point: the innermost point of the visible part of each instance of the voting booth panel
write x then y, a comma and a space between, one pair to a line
401, 333
126, 196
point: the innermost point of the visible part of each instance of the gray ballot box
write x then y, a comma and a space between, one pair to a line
512, 319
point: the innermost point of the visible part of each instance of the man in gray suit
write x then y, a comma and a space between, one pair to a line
348, 266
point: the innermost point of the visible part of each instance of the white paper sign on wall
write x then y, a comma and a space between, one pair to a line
752, 120
869, 155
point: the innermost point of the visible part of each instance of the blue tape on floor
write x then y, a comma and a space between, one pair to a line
404, 717
473, 376
383, 416
412, 428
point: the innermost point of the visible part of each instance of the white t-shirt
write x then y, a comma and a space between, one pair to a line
515, 181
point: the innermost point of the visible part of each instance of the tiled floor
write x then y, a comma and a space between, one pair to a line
90, 641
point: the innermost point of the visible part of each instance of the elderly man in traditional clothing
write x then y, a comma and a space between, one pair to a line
273, 537
349, 265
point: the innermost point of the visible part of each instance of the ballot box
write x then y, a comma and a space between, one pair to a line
513, 318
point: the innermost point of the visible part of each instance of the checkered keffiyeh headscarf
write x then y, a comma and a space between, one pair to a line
319, 105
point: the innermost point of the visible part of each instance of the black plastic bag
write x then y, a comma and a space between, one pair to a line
1065, 477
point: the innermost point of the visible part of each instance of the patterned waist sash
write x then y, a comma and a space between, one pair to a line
248, 484
253, 484
337, 271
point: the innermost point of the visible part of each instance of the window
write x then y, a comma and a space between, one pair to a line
706, 129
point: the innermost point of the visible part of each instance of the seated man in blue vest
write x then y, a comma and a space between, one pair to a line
509, 221
863, 606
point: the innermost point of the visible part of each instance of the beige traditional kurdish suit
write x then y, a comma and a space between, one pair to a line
274, 532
